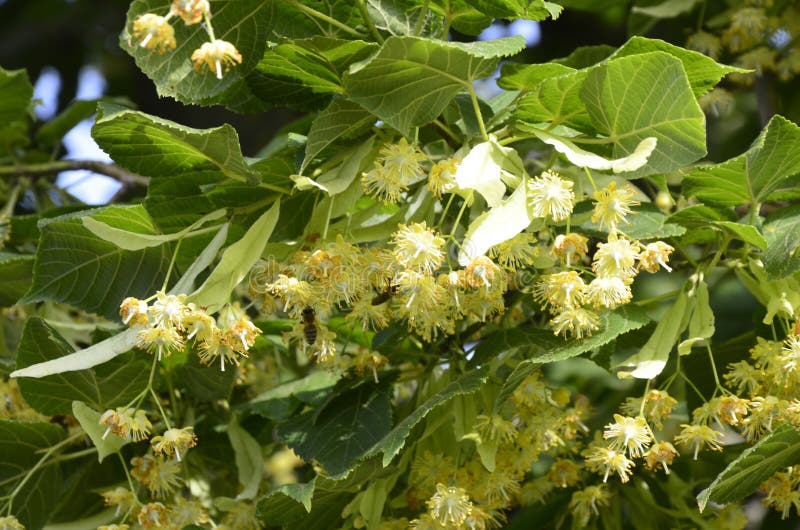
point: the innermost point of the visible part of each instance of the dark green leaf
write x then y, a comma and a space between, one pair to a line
16, 274
245, 23
108, 385
16, 92
342, 119
751, 178
391, 444
557, 100
774, 452
702, 72
411, 80
21, 447
204, 383
782, 233
279, 402
343, 430
746, 233
75, 267
249, 461
623, 105
156, 147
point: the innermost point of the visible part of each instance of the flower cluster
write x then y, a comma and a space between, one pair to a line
155, 33
576, 301
169, 322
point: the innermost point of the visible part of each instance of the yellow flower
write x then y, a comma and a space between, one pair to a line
155, 33
585, 503
565, 473
551, 196
133, 312
418, 247
572, 247
441, 178
577, 321
120, 497
158, 475
609, 291
168, 310
655, 255
519, 251
161, 340
153, 515
605, 460
174, 441
482, 272
613, 205
403, 160
617, 257
216, 55
187, 512
126, 421
698, 436
630, 434
561, 290
191, 11
661, 454
449, 505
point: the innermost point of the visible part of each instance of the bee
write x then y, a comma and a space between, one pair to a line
385, 295
309, 321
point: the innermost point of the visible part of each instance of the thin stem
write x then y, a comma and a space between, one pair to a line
171, 265
327, 219
591, 179
322, 16
66, 441
160, 408
658, 298
362, 7
444, 212
448, 19
423, 12
689, 382
49, 168
714, 367
209, 27
130, 480
644, 397
8, 209
458, 220
447, 130
476, 106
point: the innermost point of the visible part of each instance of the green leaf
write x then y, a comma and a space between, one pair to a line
464, 18
400, 17
496, 225
782, 234
16, 92
391, 444
16, 274
653, 356
75, 267
245, 23
339, 179
514, 9
128, 240
249, 461
557, 101
236, 262
156, 147
649, 223
702, 71
774, 452
305, 73
622, 104
411, 80
277, 506
342, 119
343, 430
205, 383
746, 233
519, 76
766, 168
90, 423
186, 283
542, 346
666, 9
279, 402
22, 445
110, 385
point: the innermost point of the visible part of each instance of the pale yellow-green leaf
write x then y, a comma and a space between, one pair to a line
90, 423
482, 171
583, 158
493, 227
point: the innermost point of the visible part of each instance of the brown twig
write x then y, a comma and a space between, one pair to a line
127, 178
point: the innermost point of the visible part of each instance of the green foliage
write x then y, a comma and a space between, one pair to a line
418, 306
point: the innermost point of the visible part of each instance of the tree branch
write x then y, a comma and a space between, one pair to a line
110, 170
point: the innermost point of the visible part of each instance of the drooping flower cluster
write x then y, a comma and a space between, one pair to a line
169, 322
155, 33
